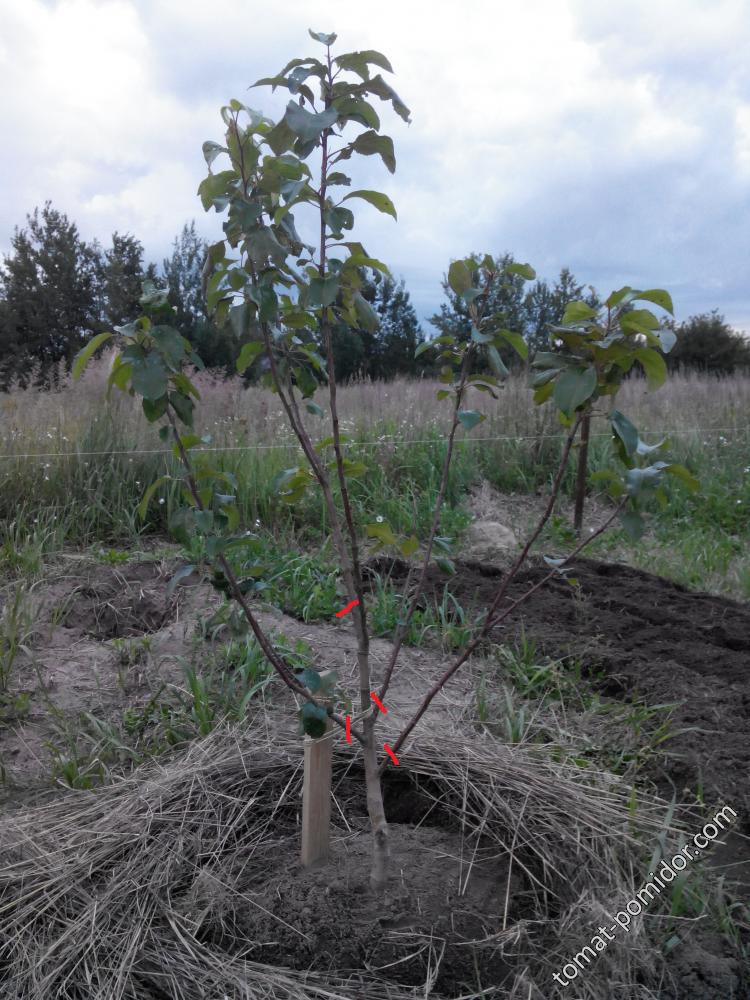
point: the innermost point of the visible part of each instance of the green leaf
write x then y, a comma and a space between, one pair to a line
626, 431
381, 201
543, 393
150, 376
307, 126
646, 449
323, 38
639, 321
367, 318
408, 546
657, 296
476, 335
314, 409
382, 531
633, 524
338, 178
353, 468
624, 295
262, 244
636, 479
358, 110
337, 220
654, 366
83, 356
577, 312
183, 407
496, 362
446, 566
573, 388
371, 143
150, 490
310, 678
215, 190
547, 360
470, 418
524, 270
182, 573
211, 150
516, 341
424, 346
185, 386
280, 138
686, 477
611, 479
187, 441
248, 354
385, 92
171, 345
459, 276
314, 719
120, 375
356, 60
323, 291
153, 409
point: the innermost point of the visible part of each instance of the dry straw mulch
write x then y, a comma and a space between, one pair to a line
93, 884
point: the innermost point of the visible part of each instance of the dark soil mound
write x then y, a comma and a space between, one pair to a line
434, 917
650, 638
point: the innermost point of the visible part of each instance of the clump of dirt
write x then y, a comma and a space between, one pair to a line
115, 602
489, 540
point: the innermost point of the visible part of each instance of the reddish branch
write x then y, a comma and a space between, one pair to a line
491, 618
265, 644
414, 600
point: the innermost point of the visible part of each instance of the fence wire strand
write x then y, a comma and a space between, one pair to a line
362, 444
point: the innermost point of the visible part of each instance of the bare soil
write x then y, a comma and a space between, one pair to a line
649, 638
638, 635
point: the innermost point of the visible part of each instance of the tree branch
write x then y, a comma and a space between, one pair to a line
264, 642
502, 591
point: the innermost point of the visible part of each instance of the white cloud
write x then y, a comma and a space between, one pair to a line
611, 138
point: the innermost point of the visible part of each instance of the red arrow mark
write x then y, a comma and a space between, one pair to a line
347, 609
379, 703
348, 729
390, 753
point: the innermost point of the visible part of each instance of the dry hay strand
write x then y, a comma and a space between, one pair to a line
94, 885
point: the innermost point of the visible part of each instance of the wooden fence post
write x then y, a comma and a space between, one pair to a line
316, 798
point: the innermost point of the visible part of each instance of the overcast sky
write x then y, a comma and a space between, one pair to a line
609, 137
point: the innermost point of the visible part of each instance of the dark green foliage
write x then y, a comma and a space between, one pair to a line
217, 344
529, 311
120, 279
49, 297
182, 274
707, 343
388, 350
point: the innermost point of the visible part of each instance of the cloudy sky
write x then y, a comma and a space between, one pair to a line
612, 138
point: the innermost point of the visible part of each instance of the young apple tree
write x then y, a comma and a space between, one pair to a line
287, 296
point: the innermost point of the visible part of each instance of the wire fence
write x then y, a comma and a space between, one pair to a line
293, 443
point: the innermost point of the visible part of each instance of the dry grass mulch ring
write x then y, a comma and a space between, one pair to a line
182, 881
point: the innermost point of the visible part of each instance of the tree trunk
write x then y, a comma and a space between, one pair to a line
583, 457
381, 854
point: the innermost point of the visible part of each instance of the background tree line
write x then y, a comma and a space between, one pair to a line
56, 289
